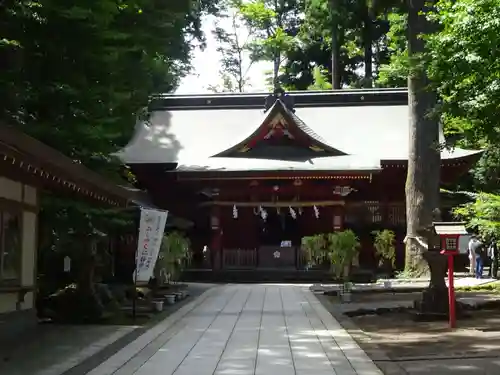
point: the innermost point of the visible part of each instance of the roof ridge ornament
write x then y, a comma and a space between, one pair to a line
281, 95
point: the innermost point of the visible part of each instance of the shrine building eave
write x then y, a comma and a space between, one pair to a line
26, 159
347, 163
449, 158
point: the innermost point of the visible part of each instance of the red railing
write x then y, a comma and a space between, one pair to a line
239, 258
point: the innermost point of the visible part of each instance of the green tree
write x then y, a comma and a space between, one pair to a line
320, 79
464, 71
349, 37
76, 75
234, 46
462, 66
423, 176
482, 215
274, 24
394, 71
465, 65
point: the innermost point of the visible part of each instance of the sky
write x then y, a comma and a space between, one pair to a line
206, 66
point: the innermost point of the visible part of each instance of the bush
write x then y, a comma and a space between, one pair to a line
71, 304
385, 247
338, 248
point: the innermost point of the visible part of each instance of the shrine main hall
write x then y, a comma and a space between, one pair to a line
254, 173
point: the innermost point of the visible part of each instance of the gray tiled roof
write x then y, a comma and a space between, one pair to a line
306, 129
192, 137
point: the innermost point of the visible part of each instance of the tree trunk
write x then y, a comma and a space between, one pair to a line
422, 183
367, 46
90, 307
276, 70
336, 74
279, 7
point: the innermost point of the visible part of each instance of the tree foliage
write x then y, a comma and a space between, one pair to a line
234, 44
465, 65
384, 243
77, 74
320, 79
274, 24
360, 29
302, 32
337, 249
482, 215
261, 30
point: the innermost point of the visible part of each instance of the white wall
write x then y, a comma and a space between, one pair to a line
27, 199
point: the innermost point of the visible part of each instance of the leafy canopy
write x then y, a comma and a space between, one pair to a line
482, 215
76, 75
465, 64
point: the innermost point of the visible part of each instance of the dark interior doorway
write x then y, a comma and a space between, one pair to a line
279, 226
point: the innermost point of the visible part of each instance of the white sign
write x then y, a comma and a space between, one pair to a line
67, 264
151, 229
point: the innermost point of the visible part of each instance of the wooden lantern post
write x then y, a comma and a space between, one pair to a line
450, 233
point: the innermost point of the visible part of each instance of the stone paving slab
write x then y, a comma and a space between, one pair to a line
75, 350
246, 330
57, 349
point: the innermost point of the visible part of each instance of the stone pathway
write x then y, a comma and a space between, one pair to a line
75, 350
245, 330
52, 350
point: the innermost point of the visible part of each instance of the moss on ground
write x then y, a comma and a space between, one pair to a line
493, 287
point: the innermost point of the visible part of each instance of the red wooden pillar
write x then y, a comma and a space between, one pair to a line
216, 240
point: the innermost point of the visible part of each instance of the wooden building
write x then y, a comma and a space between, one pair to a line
27, 168
257, 172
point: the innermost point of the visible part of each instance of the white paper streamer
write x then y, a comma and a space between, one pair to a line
316, 212
263, 214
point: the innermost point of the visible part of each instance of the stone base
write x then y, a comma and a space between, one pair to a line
433, 301
434, 306
16, 323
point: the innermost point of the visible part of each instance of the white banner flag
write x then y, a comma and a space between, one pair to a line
151, 229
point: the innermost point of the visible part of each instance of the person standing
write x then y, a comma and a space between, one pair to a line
494, 259
472, 255
477, 249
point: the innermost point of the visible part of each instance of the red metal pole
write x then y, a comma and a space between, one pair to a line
451, 293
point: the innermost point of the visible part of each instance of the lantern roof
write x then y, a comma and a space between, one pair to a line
450, 228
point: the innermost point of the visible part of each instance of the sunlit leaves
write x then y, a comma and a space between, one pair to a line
259, 15
234, 46
75, 74
482, 215
465, 64
273, 26
320, 79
